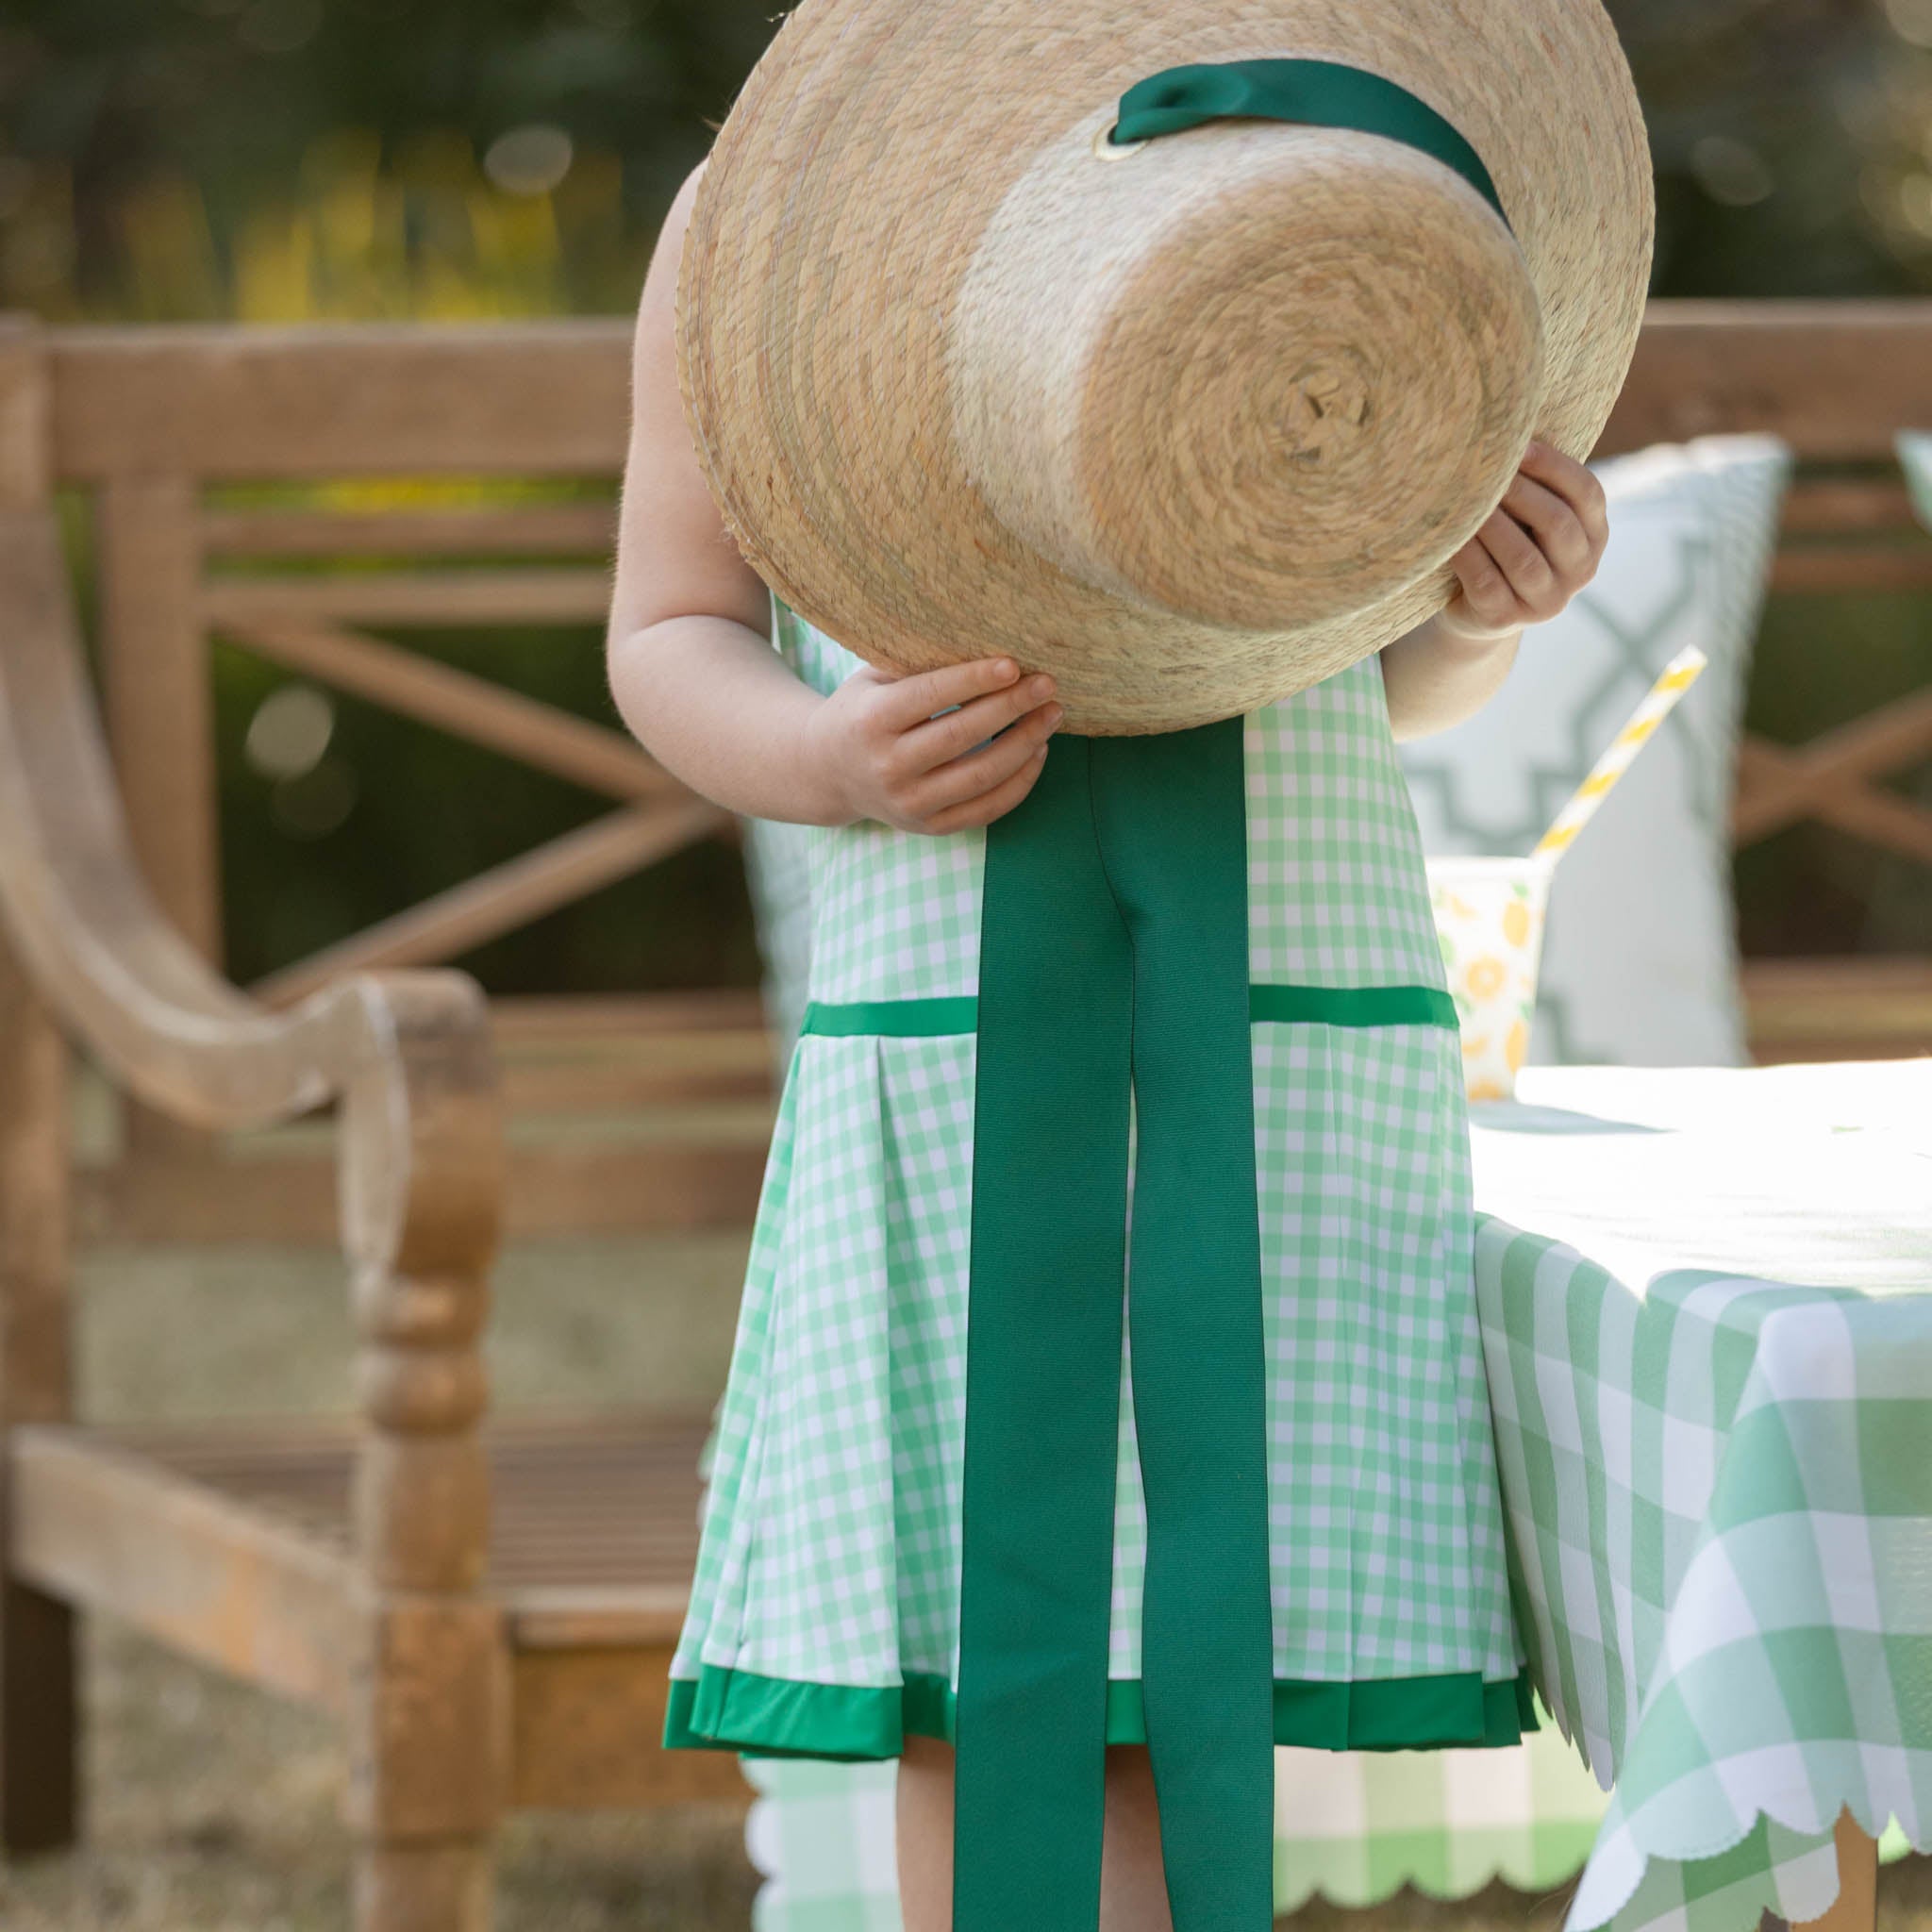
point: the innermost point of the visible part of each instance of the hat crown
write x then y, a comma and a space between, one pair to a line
1255, 375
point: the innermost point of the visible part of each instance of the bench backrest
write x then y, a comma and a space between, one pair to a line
152, 423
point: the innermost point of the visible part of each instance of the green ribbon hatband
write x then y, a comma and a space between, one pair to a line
1314, 93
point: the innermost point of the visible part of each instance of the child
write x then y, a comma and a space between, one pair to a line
828, 1604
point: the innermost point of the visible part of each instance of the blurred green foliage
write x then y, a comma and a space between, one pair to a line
294, 159
149, 148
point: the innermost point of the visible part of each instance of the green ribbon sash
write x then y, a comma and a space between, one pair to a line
1316, 93
1114, 944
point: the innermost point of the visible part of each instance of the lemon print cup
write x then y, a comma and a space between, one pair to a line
1490, 919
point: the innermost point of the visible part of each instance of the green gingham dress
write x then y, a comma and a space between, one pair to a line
826, 1617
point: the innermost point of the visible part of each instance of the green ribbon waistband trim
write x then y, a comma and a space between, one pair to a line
1268, 1003
775, 1717
1315, 94
892, 1019
1353, 1005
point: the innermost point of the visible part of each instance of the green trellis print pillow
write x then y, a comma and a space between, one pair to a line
1640, 955
1915, 452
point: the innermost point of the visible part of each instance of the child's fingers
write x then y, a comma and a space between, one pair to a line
914, 699
1575, 484
939, 740
1556, 527
1487, 600
995, 804
1516, 554
966, 778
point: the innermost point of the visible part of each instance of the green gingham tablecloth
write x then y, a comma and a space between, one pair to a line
1710, 1366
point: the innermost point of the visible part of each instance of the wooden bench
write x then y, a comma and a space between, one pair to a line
487, 1605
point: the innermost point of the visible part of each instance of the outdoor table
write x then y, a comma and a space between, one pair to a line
1706, 1297
1711, 1369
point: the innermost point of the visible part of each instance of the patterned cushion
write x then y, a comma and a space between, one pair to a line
1915, 452
1640, 960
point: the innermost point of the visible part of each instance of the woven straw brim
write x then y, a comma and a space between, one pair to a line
841, 230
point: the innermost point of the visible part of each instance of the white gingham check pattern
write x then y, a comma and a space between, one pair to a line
831, 1546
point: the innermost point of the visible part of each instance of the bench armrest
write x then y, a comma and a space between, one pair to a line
408, 1053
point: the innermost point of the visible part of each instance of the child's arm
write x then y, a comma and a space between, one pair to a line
1541, 547
695, 675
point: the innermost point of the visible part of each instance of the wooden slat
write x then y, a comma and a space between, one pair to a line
585, 1726
535, 734
549, 398
576, 1187
1835, 379
1878, 817
1858, 1008
593, 1519
508, 896
1837, 506
1823, 573
205, 1575
519, 1021
600, 1085
553, 397
580, 1616
543, 594
564, 529
1779, 785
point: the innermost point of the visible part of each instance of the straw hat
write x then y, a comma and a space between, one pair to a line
1192, 424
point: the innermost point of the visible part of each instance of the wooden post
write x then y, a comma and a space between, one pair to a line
429, 1706
158, 701
37, 1651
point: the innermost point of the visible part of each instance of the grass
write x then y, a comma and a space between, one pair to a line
213, 1808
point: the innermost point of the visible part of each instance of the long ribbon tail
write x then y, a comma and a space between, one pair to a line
1171, 812
1043, 1367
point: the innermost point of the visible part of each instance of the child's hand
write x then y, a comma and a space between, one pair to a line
1540, 546
876, 744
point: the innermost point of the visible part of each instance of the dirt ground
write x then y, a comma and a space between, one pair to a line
212, 1808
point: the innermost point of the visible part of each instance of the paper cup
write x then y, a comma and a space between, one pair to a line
1490, 919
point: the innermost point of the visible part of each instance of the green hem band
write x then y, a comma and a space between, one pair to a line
775, 1717
1269, 1005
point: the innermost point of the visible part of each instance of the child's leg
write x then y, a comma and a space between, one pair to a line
1133, 1881
1133, 1886
925, 1835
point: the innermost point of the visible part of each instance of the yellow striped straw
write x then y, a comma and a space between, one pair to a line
1677, 677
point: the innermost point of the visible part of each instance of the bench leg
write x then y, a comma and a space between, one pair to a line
37, 1721
427, 1724
429, 1716
430, 1888
38, 1795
